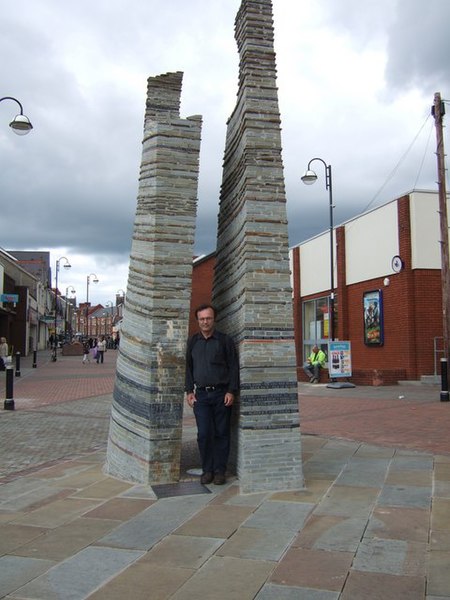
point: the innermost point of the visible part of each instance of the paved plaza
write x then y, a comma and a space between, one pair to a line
372, 522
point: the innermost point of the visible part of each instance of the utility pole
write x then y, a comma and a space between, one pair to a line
438, 111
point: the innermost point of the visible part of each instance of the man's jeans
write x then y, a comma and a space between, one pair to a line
213, 430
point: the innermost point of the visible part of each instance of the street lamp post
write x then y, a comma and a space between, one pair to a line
72, 291
21, 124
67, 265
309, 178
109, 305
88, 280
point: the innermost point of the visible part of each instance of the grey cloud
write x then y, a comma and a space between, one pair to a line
419, 46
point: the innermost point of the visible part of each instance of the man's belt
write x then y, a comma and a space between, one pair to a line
210, 388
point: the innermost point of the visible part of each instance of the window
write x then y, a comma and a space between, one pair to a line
316, 328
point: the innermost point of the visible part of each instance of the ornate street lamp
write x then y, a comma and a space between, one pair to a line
21, 124
309, 178
66, 266
72, 291
88, 280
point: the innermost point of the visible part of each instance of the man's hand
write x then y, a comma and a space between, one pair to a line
229, 399
191, 399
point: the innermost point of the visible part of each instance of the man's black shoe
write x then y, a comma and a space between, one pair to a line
219, 479
206, 478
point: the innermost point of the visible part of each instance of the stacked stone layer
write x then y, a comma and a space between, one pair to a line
146, 419
252, 289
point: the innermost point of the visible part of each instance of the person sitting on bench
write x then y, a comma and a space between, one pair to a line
315, 361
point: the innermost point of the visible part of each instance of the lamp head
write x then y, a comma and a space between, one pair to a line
309, 177
21, 125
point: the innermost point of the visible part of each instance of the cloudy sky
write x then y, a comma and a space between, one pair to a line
356, 83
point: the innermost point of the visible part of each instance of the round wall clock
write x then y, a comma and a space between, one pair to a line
397, 264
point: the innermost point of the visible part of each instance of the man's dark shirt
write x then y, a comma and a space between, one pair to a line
212, 361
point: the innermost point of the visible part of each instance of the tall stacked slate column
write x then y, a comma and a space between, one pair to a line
144, 442
252, 289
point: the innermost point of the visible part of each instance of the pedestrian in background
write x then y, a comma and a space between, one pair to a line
86, 353
4, 352
101, 349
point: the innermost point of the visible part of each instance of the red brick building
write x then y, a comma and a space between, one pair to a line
391, 253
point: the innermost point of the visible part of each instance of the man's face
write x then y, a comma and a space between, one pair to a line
205, 320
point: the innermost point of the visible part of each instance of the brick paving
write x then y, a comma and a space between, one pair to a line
409, 416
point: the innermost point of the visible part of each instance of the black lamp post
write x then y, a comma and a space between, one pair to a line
66, 266
309, 178
72, 291
21, 124
88, 280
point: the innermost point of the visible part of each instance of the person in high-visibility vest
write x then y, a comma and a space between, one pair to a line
315, 361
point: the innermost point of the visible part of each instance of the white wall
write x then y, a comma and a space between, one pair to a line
315, 273
371, 241
425, 231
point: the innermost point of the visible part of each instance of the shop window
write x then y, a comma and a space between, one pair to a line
316, 323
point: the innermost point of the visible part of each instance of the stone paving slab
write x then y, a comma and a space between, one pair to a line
226, 578
257, 544
331, 533
159, 520
272, 591
399, 523
61, 543
78, 576
315, 569
215, 521
348, 501
57, 513
377, 586
119, 509
407, 496
144, 581
438, 582
394, 557
289, 516
182, 551
18, 571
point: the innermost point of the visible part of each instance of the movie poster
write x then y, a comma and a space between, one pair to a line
373, 318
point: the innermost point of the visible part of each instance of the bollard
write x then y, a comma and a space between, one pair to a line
444, 380
34, 359
17, 364
9, 401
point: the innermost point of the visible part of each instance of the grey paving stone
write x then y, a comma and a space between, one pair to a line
226, 578
439, 573
157, 521
271, 591
406, 495
348, 501
323, 467
395, 557
182, 551
33, 497
19, 487
285, 515
258, 544
367, 472
79, 576
344, 536
17, 571
416, 461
